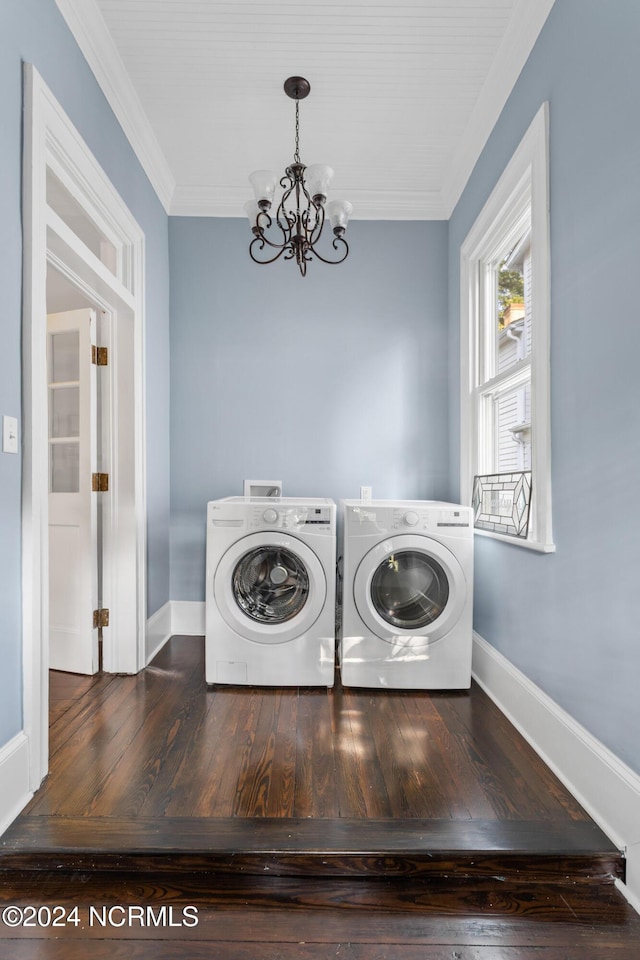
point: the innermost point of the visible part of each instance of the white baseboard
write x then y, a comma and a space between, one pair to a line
606, 787
188, 617
176, 617
14, 779
158, 631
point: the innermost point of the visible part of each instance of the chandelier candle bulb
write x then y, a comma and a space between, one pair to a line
252, 210
318, 177
339, 212
294, 228
264, 186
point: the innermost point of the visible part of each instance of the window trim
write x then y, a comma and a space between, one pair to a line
524, 180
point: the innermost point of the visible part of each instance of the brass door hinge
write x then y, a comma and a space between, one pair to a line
101, 618
99, 355
99, 482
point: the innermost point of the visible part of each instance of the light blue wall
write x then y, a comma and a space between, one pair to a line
34, 31
570, 620
10, 400
325, 382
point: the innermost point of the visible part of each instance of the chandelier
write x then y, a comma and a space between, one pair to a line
297, 224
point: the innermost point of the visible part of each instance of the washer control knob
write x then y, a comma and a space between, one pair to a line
411, 518
270, 515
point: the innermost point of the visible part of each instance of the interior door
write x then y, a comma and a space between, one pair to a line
73, 560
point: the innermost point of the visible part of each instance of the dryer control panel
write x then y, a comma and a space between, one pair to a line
430, 521
383, 517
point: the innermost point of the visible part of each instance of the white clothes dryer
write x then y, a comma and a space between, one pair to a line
407, 594
270, 591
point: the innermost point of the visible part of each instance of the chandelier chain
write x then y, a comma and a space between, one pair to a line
296, 155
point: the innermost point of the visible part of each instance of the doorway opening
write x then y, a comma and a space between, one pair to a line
81, 244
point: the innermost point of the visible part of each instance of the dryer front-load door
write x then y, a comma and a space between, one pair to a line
410, 587
270, 587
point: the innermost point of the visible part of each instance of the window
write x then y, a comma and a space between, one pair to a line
504, 270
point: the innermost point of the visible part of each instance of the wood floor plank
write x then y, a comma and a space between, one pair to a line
194, 788
462, 778
234, 752
422, 720
256, 772
350, 790
369, 791
82, 711
531, 768
147, 766
505, 762
316, 746
78, 748
388, 767
280, 801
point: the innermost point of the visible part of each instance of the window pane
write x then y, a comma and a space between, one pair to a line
513, 429
65, 357
77, 219
64, 412
65, 468
514, 305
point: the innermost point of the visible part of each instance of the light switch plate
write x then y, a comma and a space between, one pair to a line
9, 435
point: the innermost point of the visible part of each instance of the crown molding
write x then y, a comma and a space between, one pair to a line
205, 201
519, 39
87, 25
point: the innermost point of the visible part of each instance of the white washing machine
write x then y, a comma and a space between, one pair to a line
270, 591
407, 594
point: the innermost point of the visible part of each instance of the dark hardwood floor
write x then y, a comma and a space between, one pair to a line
300, 823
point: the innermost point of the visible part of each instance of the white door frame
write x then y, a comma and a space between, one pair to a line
51, 141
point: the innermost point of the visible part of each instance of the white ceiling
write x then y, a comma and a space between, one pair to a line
403, 95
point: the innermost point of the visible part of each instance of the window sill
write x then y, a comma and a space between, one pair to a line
535, 545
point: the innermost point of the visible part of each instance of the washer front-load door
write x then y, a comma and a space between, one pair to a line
410, 587
270, 587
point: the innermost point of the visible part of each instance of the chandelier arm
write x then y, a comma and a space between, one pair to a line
335, 243
316, 232
260, 241
284, 221
260, 234
270, 243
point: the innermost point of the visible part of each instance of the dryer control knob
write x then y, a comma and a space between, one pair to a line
411, 518
270, 515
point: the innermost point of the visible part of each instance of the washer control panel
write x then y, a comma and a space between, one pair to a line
291, 517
